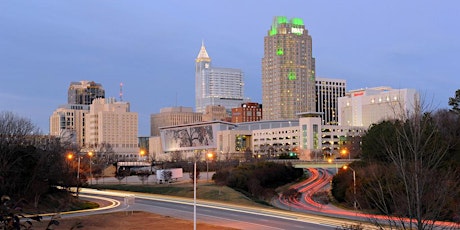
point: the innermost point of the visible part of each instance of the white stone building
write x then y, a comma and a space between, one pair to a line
110, 122
364, 107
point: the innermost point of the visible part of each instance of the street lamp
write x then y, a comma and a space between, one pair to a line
344, 152
354, 183
90, 154
142, 152
70, 157
209, 156
336, 167
194, 193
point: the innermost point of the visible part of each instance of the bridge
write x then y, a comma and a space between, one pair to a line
336, 163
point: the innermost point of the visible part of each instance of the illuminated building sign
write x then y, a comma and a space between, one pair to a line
279, 51
297, 21
292, 76
358, 94
273, 31
297, 31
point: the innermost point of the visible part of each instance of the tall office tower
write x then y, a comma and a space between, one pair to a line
288, 70
216, 86
68, 123
84, 92
328, 91
173, 116
111, 122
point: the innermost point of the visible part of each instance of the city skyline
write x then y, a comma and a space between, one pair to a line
149, 46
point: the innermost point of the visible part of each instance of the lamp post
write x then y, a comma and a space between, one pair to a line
354, 183
142, 153
209, 156
194, 193
90, 154
343, 152
336, 167
70, 156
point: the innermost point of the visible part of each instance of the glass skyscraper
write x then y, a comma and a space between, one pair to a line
84, 92
216, 86
288, 70
328, 91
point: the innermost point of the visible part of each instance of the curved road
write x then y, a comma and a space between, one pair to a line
318, 180
221, 214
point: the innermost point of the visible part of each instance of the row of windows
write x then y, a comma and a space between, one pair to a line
277, 132
380, 100
276, 138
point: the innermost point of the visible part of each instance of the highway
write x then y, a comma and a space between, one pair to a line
305, 214
221, 214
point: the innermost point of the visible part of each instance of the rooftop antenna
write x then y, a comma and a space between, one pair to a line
121, 91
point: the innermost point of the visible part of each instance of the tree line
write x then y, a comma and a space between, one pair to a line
409, 169
31, 166
259, 179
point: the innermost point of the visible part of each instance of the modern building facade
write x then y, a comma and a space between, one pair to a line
216, 86
111, 123
173, 116
247, 112
364, 107
183, 142
304, 136
84, 92
68, 123
288, 70
328, 91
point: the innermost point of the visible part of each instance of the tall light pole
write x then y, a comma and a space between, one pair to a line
354, 183
344, 152
336, 167
194, 193
78, 170
78, 173
209, 156
141, 153
90, 154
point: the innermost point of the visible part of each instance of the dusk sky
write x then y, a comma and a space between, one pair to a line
151, 47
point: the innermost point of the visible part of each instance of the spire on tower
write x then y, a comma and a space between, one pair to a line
203, 55
121, 91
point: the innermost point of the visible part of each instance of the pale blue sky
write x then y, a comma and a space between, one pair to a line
151, 47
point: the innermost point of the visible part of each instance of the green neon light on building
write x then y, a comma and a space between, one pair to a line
273, 31
297, 22
292, 76
282, 19
279, 51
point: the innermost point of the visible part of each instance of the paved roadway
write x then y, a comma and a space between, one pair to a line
241, 217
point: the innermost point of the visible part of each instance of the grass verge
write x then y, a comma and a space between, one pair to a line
206, 191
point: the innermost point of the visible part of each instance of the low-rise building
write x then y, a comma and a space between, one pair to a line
247, 112
173, 116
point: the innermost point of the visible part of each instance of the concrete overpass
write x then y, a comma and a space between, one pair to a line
335, 164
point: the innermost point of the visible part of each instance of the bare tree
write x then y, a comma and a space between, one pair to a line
143, 176
105, 151
176, 156
416, 185
30, 165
